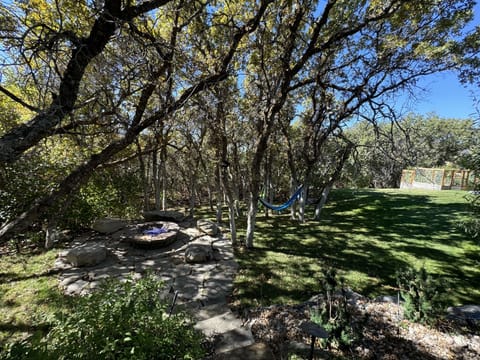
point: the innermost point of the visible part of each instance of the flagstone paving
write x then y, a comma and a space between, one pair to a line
201, 287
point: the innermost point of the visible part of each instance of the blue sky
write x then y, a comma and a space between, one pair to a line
444, 95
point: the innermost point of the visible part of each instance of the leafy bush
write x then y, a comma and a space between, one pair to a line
422, 295
119, 321
471, 225
334, 314
108, 193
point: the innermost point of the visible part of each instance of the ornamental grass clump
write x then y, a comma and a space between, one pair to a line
122, 320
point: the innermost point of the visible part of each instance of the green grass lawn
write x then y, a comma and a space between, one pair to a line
367, 235
29, 294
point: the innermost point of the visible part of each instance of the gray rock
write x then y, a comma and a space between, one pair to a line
76, 287
197, 253
257, 351
468, 313
239, 337
160, 215
108, 226
191, 233
187, 287
393, 299
219, 324
208, 227
313, 329
87, 255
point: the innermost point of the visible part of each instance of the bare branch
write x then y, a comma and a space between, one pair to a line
18, 100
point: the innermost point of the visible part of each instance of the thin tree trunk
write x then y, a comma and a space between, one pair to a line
251, 219
144, 178
156, 179
231, 205
293, 208
302, 202
192, 192
255, 189
335, 176
219, 194
163, 174
323, 200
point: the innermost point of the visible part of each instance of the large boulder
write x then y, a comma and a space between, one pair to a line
198, 253
208, 227
469, 314
88, 254
108, 226
160, 215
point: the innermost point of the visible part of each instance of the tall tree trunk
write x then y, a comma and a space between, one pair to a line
302, 202
267, 186
293, 187
219, 192
144, 177
163, 174
193, 193
156, 178
210, 197
251, 218
231, 204
334, 177
323, 199
255, 182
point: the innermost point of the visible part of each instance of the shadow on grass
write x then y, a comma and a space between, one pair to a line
30, 306
8, 277
368, 236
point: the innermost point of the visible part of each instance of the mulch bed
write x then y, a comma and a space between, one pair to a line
384, 333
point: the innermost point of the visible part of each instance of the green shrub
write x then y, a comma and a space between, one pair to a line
112, 192
334, 314
421, 294
471, 225
119, 321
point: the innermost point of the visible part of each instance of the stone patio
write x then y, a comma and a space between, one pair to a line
200, 287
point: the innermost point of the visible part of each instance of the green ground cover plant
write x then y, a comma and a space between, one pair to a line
29, 294
122, 320
367, 235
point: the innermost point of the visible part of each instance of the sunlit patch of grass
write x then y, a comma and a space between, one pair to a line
367, 235
29, 294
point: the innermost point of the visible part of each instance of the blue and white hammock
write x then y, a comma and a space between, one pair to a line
286, 204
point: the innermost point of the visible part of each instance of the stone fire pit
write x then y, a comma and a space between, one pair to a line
151, 235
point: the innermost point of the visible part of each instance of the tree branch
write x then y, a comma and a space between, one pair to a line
18, 100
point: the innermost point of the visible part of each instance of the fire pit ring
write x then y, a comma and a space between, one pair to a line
151, 235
